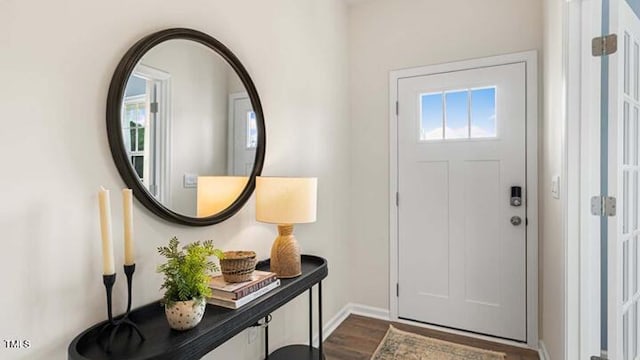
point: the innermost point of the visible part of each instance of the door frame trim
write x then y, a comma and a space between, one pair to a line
530, 58
581, 166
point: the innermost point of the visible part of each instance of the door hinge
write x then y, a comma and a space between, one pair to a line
603, 206
604, 45
154, 107
397, 290
397, 198
397, 109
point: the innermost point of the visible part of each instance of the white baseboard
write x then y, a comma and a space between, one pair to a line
356, 309
542, 351
330, 326
370, 311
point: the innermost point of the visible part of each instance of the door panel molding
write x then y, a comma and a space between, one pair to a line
529, 58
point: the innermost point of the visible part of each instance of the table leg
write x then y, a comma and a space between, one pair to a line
266, 337
320, 319
310, 317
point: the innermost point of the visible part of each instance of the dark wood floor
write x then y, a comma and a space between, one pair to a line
358, 337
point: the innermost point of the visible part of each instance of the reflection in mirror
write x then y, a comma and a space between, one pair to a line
186, 115
216, 193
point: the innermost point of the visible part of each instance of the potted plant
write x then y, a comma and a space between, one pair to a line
186, 281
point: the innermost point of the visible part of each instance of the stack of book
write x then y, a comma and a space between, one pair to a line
235, 295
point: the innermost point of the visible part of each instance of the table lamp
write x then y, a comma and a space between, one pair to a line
216, 193
286, 201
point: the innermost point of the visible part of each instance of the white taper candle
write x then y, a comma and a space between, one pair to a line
127, 204
105, 227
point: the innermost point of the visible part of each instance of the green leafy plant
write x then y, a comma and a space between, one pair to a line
187, 271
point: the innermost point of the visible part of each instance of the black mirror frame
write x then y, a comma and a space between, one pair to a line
114, 132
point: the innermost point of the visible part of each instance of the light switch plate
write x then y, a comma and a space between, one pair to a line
555, 187
190, 181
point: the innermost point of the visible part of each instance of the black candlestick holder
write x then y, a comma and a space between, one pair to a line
115, 324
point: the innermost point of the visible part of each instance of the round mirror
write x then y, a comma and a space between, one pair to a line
186, 127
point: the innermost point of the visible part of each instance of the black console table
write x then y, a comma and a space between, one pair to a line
217, 326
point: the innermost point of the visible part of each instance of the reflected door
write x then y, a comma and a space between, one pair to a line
462, 243
144, 124
243, 133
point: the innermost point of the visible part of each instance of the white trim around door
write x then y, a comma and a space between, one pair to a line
581, 171
529, 58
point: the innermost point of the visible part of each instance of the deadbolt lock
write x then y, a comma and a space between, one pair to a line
516, 220
516, 196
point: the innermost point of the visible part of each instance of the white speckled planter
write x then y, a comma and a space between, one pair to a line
184, 315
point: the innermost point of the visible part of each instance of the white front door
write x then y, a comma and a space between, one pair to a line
461, 241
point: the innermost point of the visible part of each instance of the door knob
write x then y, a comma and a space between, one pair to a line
516, 220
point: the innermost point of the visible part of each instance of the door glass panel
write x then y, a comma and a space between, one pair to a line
466, 113
636, 136
625, 202
138, 165
636, 64
627, 61
625, 338
625, 271
483, 113
634, 331
635, 193
636, 284
141, 132
457, 115
626, 135
634, 272
431, 117
132, 139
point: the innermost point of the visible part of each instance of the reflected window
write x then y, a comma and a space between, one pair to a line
134, 125
458, 114
252, 130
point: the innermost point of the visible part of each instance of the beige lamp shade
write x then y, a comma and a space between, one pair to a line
216, 193
283, 200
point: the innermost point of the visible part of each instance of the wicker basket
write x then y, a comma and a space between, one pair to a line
237, 266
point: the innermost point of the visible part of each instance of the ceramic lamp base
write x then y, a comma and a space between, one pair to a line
285, 254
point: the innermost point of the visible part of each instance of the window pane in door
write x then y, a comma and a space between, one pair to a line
431, 116
627, 63
138, 165
252, 130
483, 113
457, 115
635, 136
141, 139
132, 139
626, 134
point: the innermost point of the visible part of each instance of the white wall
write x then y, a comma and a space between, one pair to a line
552, 245
57, 59
389, 35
